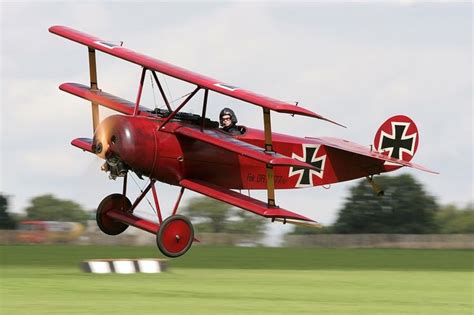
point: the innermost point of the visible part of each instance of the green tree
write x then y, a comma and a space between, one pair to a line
245, 222
451, 219
405, 208
50, 208
212, 216
309, 230
6, 221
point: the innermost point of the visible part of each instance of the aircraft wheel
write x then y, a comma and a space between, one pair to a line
106, 224
175, 236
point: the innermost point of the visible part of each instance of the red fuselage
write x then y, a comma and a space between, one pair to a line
169, 157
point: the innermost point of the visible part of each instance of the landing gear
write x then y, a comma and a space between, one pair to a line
112, 202
175, 236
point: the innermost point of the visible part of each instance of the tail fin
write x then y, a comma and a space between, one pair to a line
398, 138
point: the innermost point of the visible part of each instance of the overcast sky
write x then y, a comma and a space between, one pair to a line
355, 63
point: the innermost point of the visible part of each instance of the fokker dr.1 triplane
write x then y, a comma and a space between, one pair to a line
192, 152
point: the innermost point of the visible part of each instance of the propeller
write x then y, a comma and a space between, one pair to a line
103, 137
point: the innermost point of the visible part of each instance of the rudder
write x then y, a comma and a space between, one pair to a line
398, 138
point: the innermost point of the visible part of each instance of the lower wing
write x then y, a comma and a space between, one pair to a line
241, 201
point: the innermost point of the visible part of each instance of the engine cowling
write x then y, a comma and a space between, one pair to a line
126, 143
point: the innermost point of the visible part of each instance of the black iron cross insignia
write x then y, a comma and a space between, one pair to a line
398, 141
309, 156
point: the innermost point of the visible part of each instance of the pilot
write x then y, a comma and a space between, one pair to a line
228, 121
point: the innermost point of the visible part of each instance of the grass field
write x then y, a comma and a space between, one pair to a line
226, 280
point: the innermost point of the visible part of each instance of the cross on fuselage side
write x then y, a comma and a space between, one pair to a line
306, 176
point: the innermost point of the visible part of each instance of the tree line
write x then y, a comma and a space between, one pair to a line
207, 215
405, 208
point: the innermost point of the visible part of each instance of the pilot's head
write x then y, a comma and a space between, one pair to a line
227, 117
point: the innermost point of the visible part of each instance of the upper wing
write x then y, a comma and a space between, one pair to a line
358, 149
241, 201
229, 143
183, 74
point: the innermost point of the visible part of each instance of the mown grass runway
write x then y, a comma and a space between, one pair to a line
224, 280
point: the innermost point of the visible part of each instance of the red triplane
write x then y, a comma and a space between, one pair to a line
191, 151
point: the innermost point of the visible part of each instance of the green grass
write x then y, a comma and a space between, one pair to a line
223, 280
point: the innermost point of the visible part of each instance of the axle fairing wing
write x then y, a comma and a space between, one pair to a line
183, 74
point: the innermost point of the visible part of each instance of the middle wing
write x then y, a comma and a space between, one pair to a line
108, 100
229, 143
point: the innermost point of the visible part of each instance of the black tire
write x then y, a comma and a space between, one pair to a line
106, 224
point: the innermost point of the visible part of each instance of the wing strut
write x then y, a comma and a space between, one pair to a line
179, 108
94, 87
204, 106
267, 125
136, 110
139, 94
161, 91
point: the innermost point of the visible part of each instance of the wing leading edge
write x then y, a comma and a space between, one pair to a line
183, 74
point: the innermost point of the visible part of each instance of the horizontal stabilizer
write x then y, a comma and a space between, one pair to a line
227, 142
183, 74
358, 149
239, 200
105, 99
83, 143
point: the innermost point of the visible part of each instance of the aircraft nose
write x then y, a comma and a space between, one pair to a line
126, 143
102, 136
114, 135
111, 140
